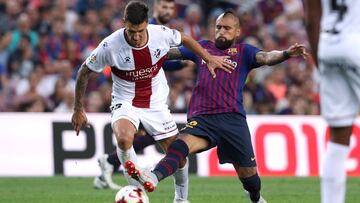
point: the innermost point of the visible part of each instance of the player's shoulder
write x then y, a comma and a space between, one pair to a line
246, 46
113, 40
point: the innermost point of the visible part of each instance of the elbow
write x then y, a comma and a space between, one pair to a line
267, 61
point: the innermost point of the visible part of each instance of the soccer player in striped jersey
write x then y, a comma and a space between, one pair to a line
216, 116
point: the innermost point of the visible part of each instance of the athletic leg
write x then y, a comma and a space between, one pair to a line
181, 176
177, 152
333, 178
340, 96
251, 182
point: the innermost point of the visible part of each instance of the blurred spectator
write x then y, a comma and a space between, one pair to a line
276, 84
84, 5
193, 18
8, 18
67, 103
105, 92
23, 29
94, 102
43, 42
21, 60
4, 56
270, 9
59, 93
35, 105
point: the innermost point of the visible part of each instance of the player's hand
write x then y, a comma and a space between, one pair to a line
297, 50
79, 120
221, 62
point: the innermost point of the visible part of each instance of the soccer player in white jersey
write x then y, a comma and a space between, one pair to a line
163, 13
334, 28
135, 54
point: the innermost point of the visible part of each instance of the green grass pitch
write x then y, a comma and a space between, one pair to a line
202, 190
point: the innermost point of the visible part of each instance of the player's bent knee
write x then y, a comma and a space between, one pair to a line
165, 143
124, 142
194, 143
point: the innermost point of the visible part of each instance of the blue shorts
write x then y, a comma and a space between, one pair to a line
229, 132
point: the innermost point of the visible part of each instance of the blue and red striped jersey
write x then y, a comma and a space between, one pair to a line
224, 93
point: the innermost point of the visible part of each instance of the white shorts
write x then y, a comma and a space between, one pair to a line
340, 82
159, 123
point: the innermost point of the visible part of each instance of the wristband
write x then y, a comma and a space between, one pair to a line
286, 55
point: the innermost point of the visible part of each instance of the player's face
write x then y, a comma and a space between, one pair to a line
226, 31
136, 35
165, 11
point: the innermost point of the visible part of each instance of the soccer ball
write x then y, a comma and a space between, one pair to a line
131, 194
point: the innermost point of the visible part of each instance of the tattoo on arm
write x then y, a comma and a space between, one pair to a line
80, 87
174, 53
270, 58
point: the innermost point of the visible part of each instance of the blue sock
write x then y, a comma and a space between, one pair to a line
176, 152
252, 184
114, 160
141, 142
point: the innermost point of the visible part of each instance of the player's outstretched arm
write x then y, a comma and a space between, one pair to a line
174, 54
211, 61
274, 57
79, 119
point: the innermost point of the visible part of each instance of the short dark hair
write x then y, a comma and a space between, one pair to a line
136, 12
233, 13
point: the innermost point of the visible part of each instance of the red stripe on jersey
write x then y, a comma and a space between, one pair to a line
238, 79
143, 90
231, 87
142, 76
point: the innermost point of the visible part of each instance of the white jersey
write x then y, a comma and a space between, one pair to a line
340, 16
340, 29
339, 61
138, 77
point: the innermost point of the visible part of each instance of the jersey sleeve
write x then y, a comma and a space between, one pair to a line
172, 36
250, 53
99, 57
187, 54
172, 65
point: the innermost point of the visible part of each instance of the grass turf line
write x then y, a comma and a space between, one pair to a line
61, 189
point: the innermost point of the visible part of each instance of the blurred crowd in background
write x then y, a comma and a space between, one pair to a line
44, 42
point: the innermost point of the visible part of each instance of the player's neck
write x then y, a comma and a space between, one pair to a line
144, 42
224, 48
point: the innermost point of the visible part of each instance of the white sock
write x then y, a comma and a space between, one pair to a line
181, 182
333, 177
125, 155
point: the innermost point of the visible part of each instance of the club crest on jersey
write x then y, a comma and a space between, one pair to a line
93, 59
157, 53
232, 51
127, 59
